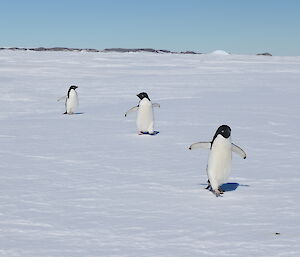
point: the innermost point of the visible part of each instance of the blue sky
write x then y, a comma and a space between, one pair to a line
237, 26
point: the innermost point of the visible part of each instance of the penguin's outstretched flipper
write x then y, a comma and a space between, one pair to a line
135, 108
156, 105
238, 151
61, 98
204, 145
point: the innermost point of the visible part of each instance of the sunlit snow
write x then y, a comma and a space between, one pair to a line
87, 185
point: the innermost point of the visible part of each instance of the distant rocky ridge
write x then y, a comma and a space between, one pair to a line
107, 50
119, 50
51, 49
149, 50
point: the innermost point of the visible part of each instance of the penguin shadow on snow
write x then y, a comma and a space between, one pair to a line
75, 113
147, 133
227, 187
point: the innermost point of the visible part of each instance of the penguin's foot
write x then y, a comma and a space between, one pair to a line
145, 133
65, 112
217, 192
148, 133
208, 186
221, 190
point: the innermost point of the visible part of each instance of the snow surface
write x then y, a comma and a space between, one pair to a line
87, 185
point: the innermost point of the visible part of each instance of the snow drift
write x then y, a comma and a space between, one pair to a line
219, 52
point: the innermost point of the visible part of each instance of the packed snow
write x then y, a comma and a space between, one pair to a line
219, 52
87, 184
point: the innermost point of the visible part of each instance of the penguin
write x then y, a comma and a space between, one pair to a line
220, 156
145, 116
71, 102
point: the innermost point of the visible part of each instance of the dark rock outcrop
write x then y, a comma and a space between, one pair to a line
132, 50
92, 50
189, 52
15, 48
265, 54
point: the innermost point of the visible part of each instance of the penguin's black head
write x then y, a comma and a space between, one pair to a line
224, 131
73, 87
143, 95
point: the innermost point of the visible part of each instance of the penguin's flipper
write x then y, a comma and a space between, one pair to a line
156, 105
61, 98
238, 150
135, 108
205, 145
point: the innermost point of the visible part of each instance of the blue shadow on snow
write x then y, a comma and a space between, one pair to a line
75, 113
227, 187
147, 133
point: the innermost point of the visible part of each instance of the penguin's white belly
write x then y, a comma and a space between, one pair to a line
219, 162
145, 118
72, 102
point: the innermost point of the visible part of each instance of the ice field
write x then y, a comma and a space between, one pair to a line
86, 185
